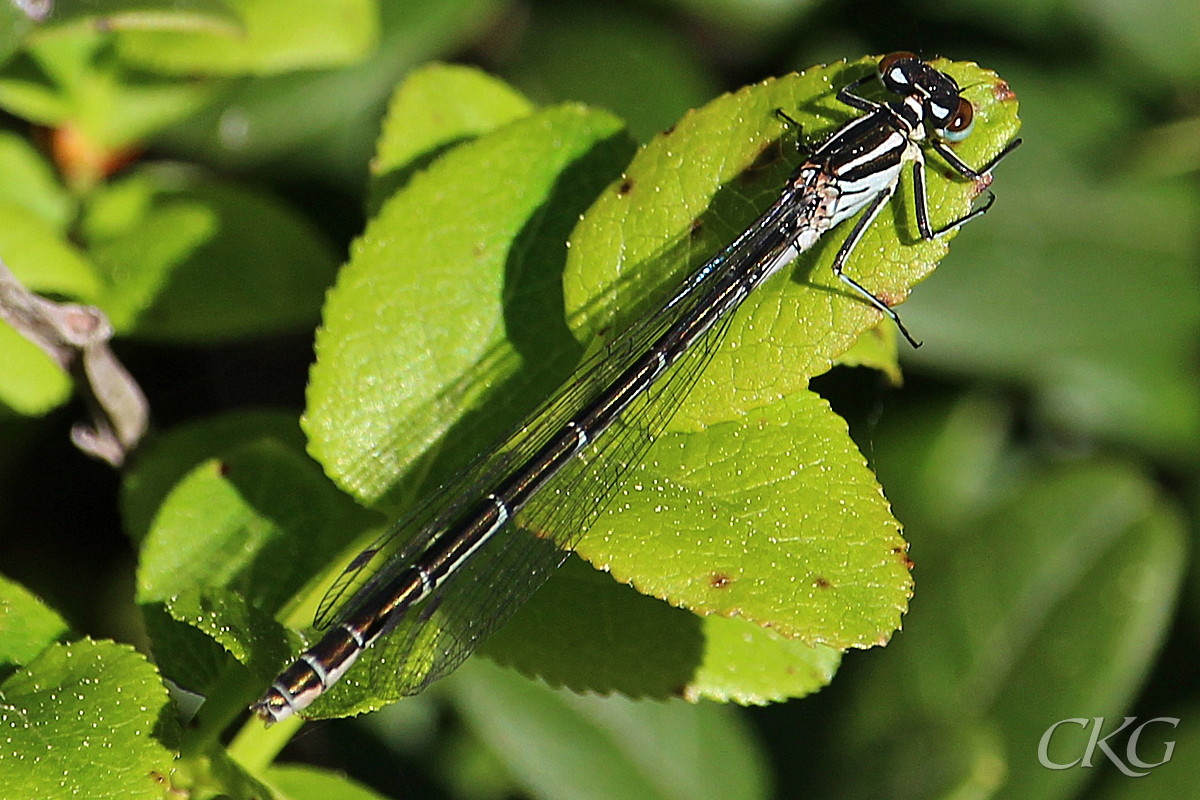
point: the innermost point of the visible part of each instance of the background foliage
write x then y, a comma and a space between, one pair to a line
1041, 454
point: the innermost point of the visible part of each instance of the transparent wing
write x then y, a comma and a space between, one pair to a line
434, 638
431, 639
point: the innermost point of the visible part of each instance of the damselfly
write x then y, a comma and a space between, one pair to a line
459, 551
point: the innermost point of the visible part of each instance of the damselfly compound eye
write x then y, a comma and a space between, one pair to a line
888, 61
892, 70
959, 126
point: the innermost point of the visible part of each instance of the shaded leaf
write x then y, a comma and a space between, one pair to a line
415, 332
588, 633
165, 460
230, 522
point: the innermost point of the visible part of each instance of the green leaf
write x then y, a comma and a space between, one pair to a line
776, 519
231, 544
223, 526
86, 719
876, 349
244, 631
27, 626
415, 331
275, 36
31, 382
566, 746
14, 26
42, 258
438, 106
190, 258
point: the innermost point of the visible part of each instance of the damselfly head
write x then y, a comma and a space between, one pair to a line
947, 113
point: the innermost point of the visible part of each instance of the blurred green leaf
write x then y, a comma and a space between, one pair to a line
183, 15
31, 383
621, 58
15, 24
944, 464
1174, 780
27, 626
1049, 608
274, 36
1149, 40
42, 258
86, 719
187, 257
71, 79
298, 782
566, 746
325, 123
748, 14
28, 180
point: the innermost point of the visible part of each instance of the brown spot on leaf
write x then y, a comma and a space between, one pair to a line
822, 583
1003, 92
625, 187
719, 580
891, 299
901, 553
696, 229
